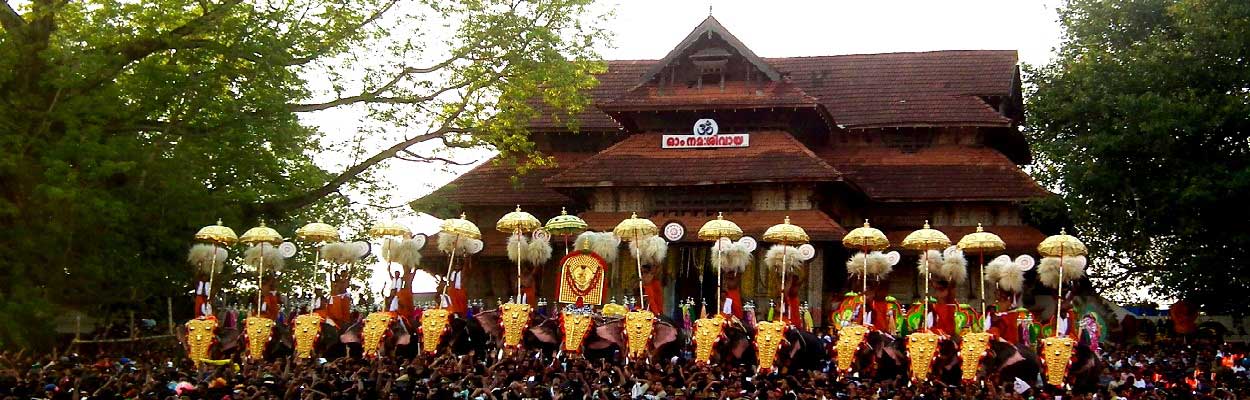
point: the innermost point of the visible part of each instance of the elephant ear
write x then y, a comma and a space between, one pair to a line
489, 320
893, 258
1025, 262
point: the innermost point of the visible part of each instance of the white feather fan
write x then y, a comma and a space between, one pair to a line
273, 259
405, 252
879, 264
774, 258
948, 266
340, 253
1048, 271
518, 245
201, 255
653, 250
1004, 273
605, 244
733, 258
539, 252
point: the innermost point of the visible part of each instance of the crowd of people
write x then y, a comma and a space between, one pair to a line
1164, 370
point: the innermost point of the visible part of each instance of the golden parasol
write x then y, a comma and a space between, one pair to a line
867, 239
635, 229
566, 225
1061, 245
260, 236
981, 242
517, 223
785, 234
924, 239
458, 228
215, 235
318, 233
713, 231
385, 230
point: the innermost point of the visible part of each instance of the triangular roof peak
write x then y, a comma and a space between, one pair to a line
709, 27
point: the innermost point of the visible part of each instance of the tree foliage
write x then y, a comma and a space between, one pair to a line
127, 125
1143, 124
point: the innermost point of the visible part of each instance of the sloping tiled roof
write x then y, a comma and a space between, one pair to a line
1019, 238
736, 94
491, 184
933, 173
937, 88
638, 161
816, 223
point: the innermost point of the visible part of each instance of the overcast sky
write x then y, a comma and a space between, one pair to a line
648, 29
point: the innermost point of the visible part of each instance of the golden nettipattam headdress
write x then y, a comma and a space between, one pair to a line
514, 317
575, 326
307, 332
707, 331
974, 348
639, 325
201, 334
768, 337
922, 350
433, 325
850, 338
375, 330
1056, 358
258, 331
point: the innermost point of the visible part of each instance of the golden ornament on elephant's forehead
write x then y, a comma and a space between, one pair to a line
576, 326
514, 318
768, 337
849, 340
922, 350
376, 325
201, 332
974, 347
706, 332
307, 331
259, 331
433, 324
638, 328
1057, 356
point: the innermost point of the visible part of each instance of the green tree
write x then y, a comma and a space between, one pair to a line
127, 125
1142, 122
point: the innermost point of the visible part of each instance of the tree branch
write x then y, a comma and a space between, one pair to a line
10, 19
414, 157
306, 198
375, 96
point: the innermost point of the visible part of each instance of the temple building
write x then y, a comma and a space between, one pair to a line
829, 141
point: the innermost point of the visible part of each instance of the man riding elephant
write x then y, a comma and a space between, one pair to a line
1013, 327
875, 353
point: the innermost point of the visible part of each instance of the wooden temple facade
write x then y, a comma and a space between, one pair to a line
896, 138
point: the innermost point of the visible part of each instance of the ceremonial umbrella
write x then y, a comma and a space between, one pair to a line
785, 234
981, 242
459, 228
517, 223
867, 239
565, 225
384, 231
923, 240
1061, 245
636, 229
318, 233
260, 236
714, 231
215, 235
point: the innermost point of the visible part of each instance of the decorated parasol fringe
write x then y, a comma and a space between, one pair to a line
778, 254
733, 258
1048, 271
605, 244
652, 249
879, 264
272, 258
202, 255
406, 252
